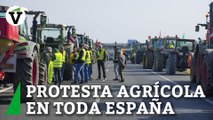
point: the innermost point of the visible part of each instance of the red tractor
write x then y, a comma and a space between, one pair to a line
20, 53
202, 61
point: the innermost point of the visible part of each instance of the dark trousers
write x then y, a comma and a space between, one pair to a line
101, 64
57, 76
121, 70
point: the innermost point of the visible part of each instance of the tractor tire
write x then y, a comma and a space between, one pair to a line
171, 64
192, 70
206, 76
198, 68
42, 73
149, 60
27, 73
159, 61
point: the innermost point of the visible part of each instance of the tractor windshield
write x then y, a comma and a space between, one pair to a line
181, 44
160, 44
51, 32
2, 14
170, 44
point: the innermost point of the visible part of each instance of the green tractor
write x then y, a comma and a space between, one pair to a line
57, 35
148, 56
161, 52
28, 65
139, 53
201, 70
179, 58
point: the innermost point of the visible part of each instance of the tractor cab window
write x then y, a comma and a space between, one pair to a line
188, 44
170, 44
2, 15
23, 30
53, 33
160, 44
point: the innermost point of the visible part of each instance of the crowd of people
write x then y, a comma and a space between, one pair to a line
80, 61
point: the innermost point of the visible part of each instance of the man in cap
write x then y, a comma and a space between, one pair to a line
63, 52
115, 60
101, 57
121, 64
80, 62
57, 67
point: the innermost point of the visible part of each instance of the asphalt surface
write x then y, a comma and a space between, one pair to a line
185, 108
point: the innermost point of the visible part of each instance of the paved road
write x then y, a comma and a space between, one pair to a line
185, 109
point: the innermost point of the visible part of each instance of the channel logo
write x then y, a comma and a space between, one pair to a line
15, 15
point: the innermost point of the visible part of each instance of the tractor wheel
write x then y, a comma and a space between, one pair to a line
42, 73
150, 60
27, 73
159, 62
171, 64
206, 77
198, 68
192, 70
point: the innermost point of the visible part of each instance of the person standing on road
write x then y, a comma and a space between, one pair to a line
116, 62
57, 67
72, 63
80, 62
63, 52
101, 57
122, 64
90, 65
87, 64
50, 65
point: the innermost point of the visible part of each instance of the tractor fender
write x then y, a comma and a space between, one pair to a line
29, 49
208, 56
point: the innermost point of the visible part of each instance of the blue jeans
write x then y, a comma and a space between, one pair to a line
57, 76
90, 70
73, 71
79, 69
62, 71
86, 72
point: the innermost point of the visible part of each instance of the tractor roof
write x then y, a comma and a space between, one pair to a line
4, 8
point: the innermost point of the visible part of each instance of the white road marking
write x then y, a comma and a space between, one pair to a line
206, 99
6, 89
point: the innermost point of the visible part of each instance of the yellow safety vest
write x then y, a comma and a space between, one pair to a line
84, 55
64, 55
88, 58
72, 58
76, 55
171, 46
58, 61
101, 54
50, 71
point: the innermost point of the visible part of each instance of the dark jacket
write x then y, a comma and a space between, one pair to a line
81, 53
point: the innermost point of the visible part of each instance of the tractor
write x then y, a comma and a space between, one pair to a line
140, 52
179, 57
202, 60
57, 35
161, 52
24, 65
148, 56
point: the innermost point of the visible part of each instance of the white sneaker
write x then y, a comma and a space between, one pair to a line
104, 79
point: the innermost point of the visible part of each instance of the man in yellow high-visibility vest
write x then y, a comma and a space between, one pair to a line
72, 63
63, 52
80, 62
101, 57
57, 67
90, 65
87, 64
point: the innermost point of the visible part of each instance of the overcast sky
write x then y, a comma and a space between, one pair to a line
120, 20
